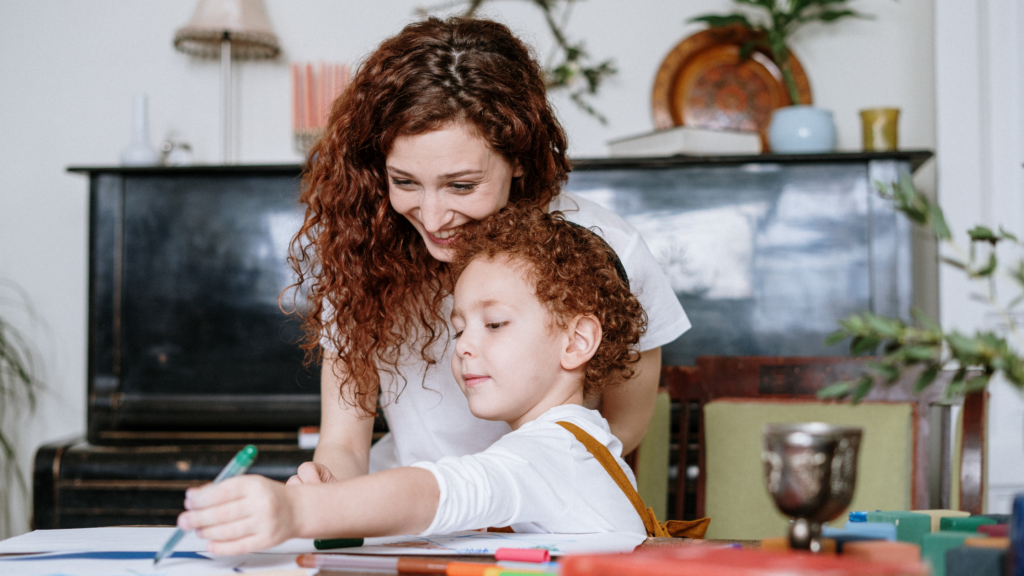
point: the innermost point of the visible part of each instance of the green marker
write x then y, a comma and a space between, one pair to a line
331, 543
238, 465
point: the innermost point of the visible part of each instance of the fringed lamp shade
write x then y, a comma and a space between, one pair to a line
243, 22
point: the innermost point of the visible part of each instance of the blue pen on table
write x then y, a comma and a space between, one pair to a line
238, 465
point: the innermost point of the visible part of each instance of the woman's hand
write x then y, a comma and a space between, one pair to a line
240, 515
311, 473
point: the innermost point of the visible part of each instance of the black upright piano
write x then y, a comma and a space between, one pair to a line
191, 356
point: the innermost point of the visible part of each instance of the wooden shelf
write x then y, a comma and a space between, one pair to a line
915, 157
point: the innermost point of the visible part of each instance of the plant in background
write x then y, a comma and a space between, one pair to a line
975, 357
784, 17
569, 66
18, 388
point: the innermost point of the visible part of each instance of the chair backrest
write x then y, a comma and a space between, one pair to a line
968, 469
760, 377
735, 496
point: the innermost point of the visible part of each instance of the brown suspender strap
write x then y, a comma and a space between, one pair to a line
600, 451
672, 528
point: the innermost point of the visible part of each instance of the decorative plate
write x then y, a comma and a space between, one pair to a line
702, 83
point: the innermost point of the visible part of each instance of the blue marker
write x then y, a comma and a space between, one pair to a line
238, 465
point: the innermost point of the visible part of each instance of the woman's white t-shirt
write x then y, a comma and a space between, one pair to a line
426, 411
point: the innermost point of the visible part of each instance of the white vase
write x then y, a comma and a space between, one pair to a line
802, 130
139, 152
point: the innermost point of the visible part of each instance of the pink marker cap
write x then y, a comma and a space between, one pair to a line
523, 554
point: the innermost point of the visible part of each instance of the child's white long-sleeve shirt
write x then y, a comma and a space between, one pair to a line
538, 478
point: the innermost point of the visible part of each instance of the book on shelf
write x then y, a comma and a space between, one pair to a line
686, 140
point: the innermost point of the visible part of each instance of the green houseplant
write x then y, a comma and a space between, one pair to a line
925, 346
798, 128
783, 18
19, 385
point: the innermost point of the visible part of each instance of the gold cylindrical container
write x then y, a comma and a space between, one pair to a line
880, 129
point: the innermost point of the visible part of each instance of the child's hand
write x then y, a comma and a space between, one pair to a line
240, 515
311, 473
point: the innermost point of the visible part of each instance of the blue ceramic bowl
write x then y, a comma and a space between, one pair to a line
802, 130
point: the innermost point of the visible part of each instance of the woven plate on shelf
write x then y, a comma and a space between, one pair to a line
702, 83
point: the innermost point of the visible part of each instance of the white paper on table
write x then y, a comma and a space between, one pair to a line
119, 539
123, 539
213, 566
477, 543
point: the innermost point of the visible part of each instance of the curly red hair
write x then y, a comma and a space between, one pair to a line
372, 287
575, 272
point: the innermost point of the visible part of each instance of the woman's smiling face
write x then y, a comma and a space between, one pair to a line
443, 179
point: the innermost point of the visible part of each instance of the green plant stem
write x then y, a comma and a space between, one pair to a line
787, 76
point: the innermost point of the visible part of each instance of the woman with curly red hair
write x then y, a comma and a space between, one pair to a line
444, 124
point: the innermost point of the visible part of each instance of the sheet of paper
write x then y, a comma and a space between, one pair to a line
100, 540
125, 563
469, 543
481, 543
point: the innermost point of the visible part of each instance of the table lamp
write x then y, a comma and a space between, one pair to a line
228, 29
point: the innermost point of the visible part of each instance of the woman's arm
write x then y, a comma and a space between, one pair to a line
345, 431
251, 513
628, 406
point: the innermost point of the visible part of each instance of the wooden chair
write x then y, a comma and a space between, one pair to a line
757, 377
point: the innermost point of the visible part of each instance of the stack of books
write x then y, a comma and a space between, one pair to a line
686, 140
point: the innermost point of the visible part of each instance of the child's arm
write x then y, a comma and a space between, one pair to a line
251, 513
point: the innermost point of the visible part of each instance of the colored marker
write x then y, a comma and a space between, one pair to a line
523, 554
543, 567
353, 562
481, 569
403, 565
238, 465
332, 543
472, 569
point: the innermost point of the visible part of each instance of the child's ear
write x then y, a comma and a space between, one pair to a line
584, 338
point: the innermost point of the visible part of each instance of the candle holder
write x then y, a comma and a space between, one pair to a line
811, 473
315, 87
880, 129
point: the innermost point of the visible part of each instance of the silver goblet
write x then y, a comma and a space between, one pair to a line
811, 471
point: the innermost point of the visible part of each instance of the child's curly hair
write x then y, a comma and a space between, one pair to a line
575, 272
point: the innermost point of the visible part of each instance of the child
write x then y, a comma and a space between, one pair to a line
544, 317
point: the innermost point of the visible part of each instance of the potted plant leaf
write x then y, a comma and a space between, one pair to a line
19, 385
799, 128
974, 358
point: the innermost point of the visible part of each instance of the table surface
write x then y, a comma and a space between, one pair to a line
650, 543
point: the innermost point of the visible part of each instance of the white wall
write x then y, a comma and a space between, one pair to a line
980, 116
68, 71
